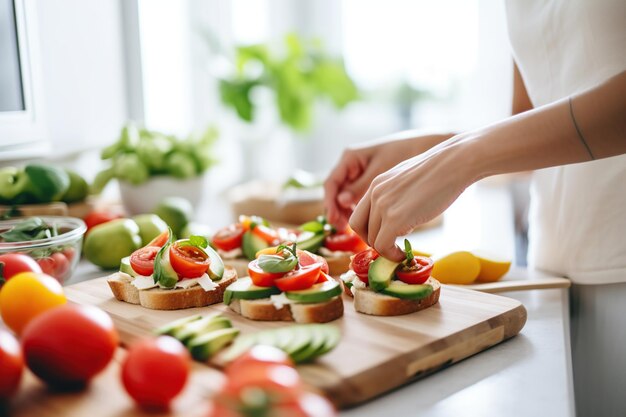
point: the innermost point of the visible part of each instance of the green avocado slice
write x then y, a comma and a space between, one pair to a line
317, 293
408, 291
381, 273
126, 268
251, 244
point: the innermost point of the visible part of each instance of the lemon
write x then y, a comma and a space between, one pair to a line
421, 253
491, 267
459, 267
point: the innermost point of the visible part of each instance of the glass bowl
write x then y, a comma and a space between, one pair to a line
58, 255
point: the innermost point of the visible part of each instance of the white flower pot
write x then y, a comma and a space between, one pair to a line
144, 198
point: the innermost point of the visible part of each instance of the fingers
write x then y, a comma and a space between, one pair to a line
385, 244
349, 169
360, 217
331, 187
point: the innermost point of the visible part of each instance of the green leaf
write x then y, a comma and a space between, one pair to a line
236, 94
33, 228
408, 251
199, 241
276, 263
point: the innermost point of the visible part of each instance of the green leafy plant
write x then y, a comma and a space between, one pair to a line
139, 154
301, 75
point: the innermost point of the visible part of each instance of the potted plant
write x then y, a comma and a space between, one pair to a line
150, 166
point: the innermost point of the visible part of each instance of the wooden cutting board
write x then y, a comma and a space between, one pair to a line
375, 355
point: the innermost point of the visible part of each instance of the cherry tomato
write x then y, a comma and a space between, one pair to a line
347, 242
266, 233
308, 258
360, 263
27, 295
299, 279
308, 404
68, 345
142, 260
98, 217
229, 238
259, 354
69, 253
11, 365
189, 261
418, 272
260, 277
280, 380
155, 371
160, 240
61, 265
47, 265
14, 263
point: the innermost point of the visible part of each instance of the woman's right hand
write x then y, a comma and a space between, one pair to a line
358, 166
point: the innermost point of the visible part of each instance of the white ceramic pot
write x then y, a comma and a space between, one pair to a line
144, 198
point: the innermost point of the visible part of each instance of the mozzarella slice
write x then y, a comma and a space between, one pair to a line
143, 283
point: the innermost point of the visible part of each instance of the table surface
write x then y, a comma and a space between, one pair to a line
527, 375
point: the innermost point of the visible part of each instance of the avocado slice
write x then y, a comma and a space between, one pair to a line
244, 289
238, 348
333, 336
299, 340
310, 241
164, 273
408, 291
317, 293
172, 327
216, 267
204, 346
251, 244
199, 327
317, 340
126, 268
381, 273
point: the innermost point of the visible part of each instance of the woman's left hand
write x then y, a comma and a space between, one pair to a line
411, 193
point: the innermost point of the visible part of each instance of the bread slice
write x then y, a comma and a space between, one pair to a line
368, 301
264, 310
174, 299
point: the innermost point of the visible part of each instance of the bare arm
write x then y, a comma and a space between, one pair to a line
590, 126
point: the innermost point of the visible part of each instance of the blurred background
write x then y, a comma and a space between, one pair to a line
283, 84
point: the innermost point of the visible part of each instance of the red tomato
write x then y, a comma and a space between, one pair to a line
299, 279
14, 263
155, 371
189, 261
260, 277
11, 365
280, 380
69, 253
260, 354
346, 241
266, 233
360, 263
68, 345
418, 272
229, 237
308, 404
47, 265
142, 260
61, 265
98, 217
160, 240
308, 258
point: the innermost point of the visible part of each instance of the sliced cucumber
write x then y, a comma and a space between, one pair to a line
310, 241
200, 327
244, 289
407, 291
126, 268
317, 293
174, 326
206, 345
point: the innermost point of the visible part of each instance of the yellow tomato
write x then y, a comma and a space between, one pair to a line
267, 251
26, 295
456, 268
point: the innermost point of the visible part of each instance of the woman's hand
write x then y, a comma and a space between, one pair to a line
411, 193
358, 167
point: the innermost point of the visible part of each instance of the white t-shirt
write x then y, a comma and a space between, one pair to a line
577, 212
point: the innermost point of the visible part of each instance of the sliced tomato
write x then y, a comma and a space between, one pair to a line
160, 240
299, 279
266, 233
360, 263
189, 261
417, 272
346, 242
142, 260
308, 258
259, 354
229, 238
260, 277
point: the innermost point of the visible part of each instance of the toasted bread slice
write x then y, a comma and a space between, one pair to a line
174, 299
263, 309
337, 265
368, 301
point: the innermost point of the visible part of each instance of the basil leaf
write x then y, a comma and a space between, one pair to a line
199, 241
33, 228
408, 250
276, 263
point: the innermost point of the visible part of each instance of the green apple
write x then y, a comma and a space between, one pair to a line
107, 243
176, 211
150, 226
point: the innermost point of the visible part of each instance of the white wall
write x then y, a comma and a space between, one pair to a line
82, 72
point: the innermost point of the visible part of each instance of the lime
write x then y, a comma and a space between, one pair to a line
176, 211
150, 226
107, 243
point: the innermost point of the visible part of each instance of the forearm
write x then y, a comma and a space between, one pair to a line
593, 128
